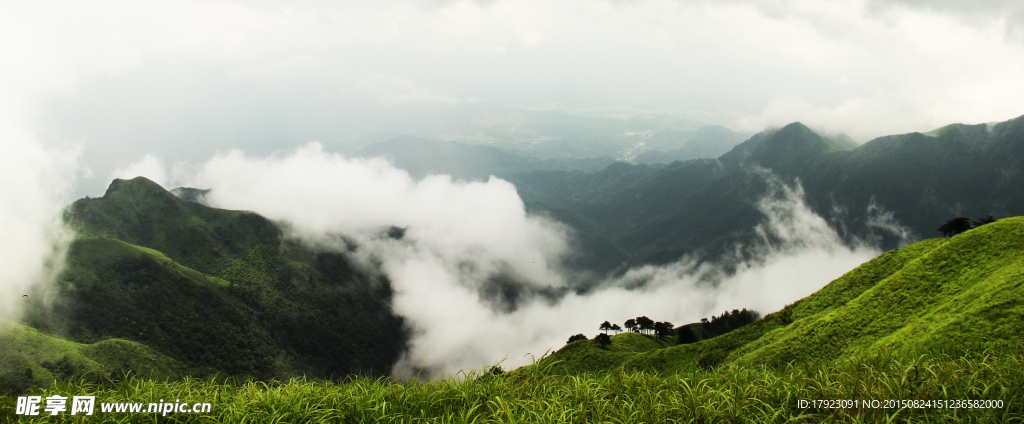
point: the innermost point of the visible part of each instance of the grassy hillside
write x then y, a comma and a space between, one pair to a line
936, 323
956, 296
140, 212
217, 290
114, 289
740, 395
29, 357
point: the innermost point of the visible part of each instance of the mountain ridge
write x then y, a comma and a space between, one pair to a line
888, 191
218, 290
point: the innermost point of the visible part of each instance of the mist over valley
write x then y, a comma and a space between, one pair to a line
456, 273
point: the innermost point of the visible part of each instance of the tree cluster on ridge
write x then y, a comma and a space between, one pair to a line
960, 224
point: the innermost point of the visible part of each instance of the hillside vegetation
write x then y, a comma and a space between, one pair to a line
954, 296
158, 289
218, 291
31, 358
936, 323
977, 389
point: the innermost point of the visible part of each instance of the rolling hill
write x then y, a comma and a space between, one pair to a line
954, 296
29, 357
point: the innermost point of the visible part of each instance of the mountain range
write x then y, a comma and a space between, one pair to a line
888, 192
159, 284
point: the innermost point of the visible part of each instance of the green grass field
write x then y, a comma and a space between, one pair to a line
747, 394
30, 357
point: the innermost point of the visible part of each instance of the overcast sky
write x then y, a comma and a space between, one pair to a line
183, 80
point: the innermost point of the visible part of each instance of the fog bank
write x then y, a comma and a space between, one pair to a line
463, 236
36, 182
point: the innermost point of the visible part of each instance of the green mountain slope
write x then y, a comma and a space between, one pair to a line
217, 290
29, 357
956, 296
115, 289
142, 213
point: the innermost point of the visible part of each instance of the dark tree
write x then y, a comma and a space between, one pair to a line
960, 224
663, 329
986, 220
631, 325
396, 233
945, 229
616, 328
605, 326
576, 338
955, 226
603, 340
686, 335
727, 322
645, 324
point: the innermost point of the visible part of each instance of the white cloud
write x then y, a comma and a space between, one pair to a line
37, 180
913, 71
530, 36
186, 79
289, 70
460, 235
149, 166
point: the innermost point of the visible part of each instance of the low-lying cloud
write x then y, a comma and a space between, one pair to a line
150, 166
36, 183
460, 236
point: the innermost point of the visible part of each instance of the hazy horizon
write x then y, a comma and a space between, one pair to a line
185, 80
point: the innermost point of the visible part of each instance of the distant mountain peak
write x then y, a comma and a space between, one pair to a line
795, 128
797, 138
136, 185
